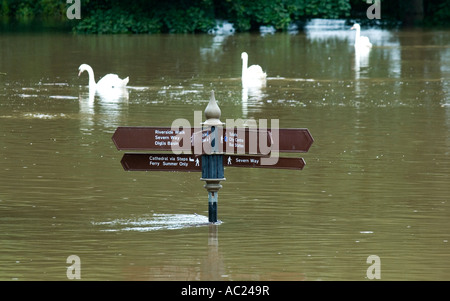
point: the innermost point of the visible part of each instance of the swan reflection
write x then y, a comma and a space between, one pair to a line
361, 60
251, 96
110, 104
111, 96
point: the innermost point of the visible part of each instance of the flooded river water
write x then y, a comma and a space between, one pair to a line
376, 180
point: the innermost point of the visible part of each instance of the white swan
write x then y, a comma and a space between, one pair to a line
253, 74
107, 82
360, 41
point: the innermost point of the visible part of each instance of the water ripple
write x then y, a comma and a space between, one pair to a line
157, 222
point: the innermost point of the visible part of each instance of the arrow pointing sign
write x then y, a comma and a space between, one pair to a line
235, 141
148, 138
193, 163
294, 140
163, 162
255, 161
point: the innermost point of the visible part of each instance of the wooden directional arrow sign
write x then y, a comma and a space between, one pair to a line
163, 162
294, 140
193, 163
231, 141
148, 138
255, 161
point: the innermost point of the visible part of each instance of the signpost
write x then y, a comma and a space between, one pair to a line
212, 148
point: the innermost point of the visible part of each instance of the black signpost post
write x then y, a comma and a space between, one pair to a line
219, 147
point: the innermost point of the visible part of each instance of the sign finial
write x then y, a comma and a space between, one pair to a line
212, 112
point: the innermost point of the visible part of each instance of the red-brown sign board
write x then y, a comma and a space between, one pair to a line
148, 138
257, 161
193, 163
231, 141
163, 162
294, 140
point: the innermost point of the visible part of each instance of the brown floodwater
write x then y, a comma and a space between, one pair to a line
376, 180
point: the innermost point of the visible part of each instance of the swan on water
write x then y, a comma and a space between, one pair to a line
107, 82
360, 41
253, 74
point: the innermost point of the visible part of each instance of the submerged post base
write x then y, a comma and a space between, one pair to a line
212, 212
212, 186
